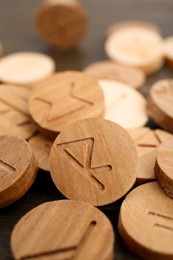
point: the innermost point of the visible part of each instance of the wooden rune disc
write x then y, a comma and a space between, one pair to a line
41, 148
164, 166
14, 114
18, 169
25, 68
146, 222
132, 23
94, 160
147, 142
160, 104
61, 23
137, 46
123, 105
63, 229
112, 71
65, 98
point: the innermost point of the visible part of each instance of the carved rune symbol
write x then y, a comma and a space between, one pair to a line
66, 102
80, 152
167, 221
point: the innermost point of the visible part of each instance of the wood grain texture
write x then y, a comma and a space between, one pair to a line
25, 68
160, 104
110, 70
94, 160
62, 232
123, 105
41, 147
14, 115
18, 169
65, 98
17, 33
164, 166
147, 142
146, 222
136, 45
61, 23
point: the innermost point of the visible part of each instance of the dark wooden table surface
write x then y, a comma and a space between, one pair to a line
17, 34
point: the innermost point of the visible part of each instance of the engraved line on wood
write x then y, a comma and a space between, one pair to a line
60, 252
85, 237
71, 95
4, 111
163, 226
159, 215
157, 137
13, 107
147, 145
6, 166
64, 253
25, 122
88, 170
79, 98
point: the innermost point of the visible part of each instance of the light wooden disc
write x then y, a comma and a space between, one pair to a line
94, 160
63, 229
17, 169
65, 98
131, 23
164, 166
112, 71
147, 142
62, 24
136, 46
160, 104
41, 147
146, 222
14, 114
123, 105
25, 68
168, 49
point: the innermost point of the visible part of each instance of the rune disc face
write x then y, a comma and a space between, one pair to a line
123, 105
146, 222
65, 98
136, 46
94, 161
63, 229
18, 169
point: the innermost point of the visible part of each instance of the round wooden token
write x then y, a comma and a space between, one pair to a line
18, 169
131, 23
25, 68
147, 142
168, 49
123, 105
164, 166
112, 71
146, 222
63, 99
14, 114
160, 104
63, 229
41, 148
94, 160
61, 23
136, 46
